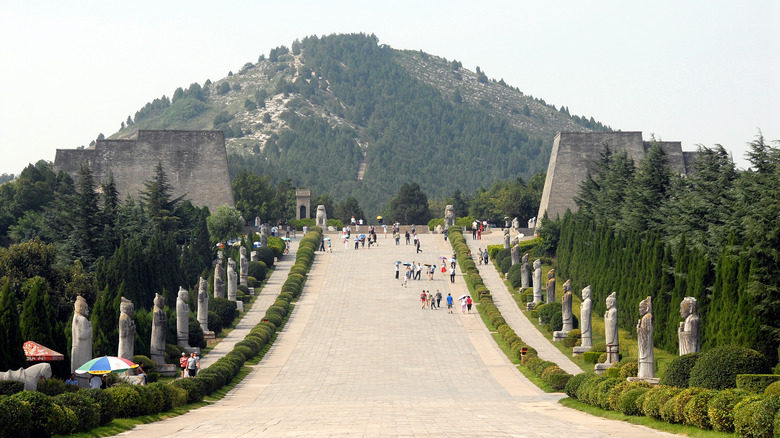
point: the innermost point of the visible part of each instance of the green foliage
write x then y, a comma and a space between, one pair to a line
679, 370
87, 412
43, 410
15, 417
756, 383
11, 353
410, 205
721, 409
257, 270
718, 368
773, 389
104, 401
627, 403
656, 399
10, 387
629, 369
574, 383
225, 223
225, 308
127, 400
754, 416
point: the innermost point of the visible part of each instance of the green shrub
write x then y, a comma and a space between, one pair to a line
586, 393
613, 372
679, 370
215, 322
574, 334
266, 256
288, 297
15, 418
153, 399
248, 349
602, 395
194, 387
52, 386
555, 377
44, 421
178, 395
278, 310
718, 368
547, 311
756, 383
556, 321
754, 416
274, 318
695, 412
627, 403
600, 347
258, 270
87, 412
127, 401
680, 401
283, 304
629, 369
226, 310
667, 410
63, 419
655, 400
721, 409
10, 387
773, 389
515, 275
591, 356
165, 393
574, 383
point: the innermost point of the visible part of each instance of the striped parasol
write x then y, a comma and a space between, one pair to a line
105, 365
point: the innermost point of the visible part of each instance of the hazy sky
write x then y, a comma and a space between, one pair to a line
698, 72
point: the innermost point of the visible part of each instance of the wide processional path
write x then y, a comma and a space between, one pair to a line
359, 357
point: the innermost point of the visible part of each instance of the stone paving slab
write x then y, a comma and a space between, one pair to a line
360, 358
509, 310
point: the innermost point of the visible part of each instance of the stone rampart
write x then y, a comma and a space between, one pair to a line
194, 161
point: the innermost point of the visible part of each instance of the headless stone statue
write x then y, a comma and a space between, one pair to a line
159, 327
219, 282
644, 335
183, 318
585, 318
537, 281
551, 286
126, 330
81, 350
515, 253
254, 256
321, 217
449, 216
689, 332
611, 329
516, 223
525, 272
506, 239
243, 266
264, 236
203, 305
232, 280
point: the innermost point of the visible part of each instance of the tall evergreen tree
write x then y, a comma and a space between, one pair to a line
105, 323
647, 194
11, 352
157, 195
37, 321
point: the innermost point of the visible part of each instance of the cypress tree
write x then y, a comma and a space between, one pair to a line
11, 341
37, 318
105, 324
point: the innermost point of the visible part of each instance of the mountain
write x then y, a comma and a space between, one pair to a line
345, 115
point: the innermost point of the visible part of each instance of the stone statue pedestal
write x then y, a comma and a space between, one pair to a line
251, 291
651, 380
560, 335
530, 306
601, 368
577, 351
240, 305
210, 337
168, 370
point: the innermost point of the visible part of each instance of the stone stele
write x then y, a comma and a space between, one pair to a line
689, 332
159, 327
183, 318
126, 330
644, 337
506, 239
81, 351
515, 254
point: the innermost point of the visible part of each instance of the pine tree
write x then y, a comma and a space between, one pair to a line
37, 320
105, 324
157, 196
11, 341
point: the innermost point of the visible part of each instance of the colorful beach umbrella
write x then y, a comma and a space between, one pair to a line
36, 352
105, 365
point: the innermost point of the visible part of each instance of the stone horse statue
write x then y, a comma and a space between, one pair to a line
30, 375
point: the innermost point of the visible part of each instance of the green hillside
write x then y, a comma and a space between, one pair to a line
347, 116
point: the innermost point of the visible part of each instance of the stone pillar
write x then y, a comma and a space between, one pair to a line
688, 333
243, 266
159, 327
515, 254
644, 334
506, 239
183, 318
81, 329
126, 330
232, 280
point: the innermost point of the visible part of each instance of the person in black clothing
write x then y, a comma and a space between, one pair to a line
407, 237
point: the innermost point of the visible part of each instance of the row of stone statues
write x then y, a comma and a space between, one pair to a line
81, 350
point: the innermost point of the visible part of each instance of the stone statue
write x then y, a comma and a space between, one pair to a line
203, 305
81, 351
322, 217
551, 286
126, 330
30, 375
568, 319
449, 216
232, 280
159, 327
688, 334
611, 329
219, 282
243, 266
183, 318
537, 281
254, 256
585, 318
532, 223
506, 239
264, 236
525, 272
516, 223
644, 335
515, 253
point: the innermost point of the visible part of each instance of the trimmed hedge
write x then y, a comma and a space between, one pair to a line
15, 417
754, 416
679, 370
718, 368
721, 409
756, 383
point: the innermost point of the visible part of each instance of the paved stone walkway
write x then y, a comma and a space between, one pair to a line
360, 358
508, 306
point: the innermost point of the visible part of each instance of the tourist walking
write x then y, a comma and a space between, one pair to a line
449, 302
407, 237
193, 365
463, 306
183, 364
397, 238
418, 271
423, 298
469, 302
452, 274
397, 270
418, 248
431, 300
479, 259
438, 298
